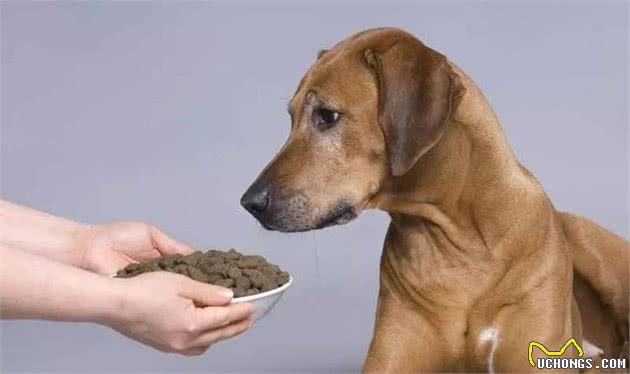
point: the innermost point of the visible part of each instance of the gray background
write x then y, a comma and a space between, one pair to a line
165, 112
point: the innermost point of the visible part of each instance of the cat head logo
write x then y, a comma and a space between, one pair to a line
553, 353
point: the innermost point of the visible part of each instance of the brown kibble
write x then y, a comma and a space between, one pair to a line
248, 262
245, 275
220, 269
234, 272
238, 292
192, 259
252, 291
243, 282
216, 260
214, 278
267, 285
250, 272
256, 277
227, 283
122, 273
205, 266
232, 254
181, 269
282, 278
268, 271
132, 267
198, 275
169, 261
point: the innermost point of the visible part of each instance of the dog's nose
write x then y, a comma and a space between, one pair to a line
255, 200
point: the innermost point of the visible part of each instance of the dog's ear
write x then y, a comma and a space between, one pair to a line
418, 91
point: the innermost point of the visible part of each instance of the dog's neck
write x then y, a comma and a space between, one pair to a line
468, 195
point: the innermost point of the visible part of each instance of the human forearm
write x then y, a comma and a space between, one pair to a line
41, 233
157, 309
160, 309
33, 287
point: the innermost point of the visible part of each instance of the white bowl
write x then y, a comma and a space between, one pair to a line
264, 301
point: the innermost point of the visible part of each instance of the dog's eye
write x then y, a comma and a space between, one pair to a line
325, 118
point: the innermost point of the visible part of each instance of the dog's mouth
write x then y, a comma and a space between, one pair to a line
296, 221
343, 213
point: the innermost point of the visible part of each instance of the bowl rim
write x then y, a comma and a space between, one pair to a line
245, 299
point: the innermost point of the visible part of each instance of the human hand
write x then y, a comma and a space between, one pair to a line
159, 309
108, 248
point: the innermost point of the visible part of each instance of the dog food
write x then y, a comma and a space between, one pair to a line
244, 275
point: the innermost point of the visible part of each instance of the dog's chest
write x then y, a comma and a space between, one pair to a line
432, 267
431, 276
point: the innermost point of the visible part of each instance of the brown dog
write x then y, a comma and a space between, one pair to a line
476, 262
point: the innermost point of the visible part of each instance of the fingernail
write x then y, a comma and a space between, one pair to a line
228, 293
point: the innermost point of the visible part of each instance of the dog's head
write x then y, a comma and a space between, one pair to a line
366, 111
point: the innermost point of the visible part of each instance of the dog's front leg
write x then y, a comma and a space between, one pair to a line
404, 341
